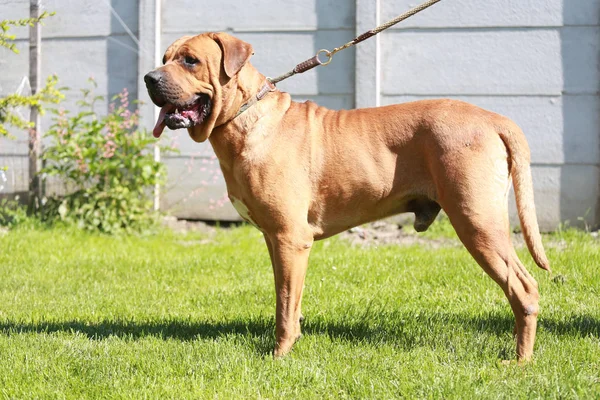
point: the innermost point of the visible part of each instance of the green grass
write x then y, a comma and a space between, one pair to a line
174, 316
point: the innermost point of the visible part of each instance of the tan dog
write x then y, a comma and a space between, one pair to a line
300, 172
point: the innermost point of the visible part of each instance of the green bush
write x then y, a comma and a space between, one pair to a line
12, 213
106, 165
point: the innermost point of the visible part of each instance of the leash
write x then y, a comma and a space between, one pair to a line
314, 61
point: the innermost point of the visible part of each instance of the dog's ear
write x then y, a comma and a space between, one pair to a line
236, 52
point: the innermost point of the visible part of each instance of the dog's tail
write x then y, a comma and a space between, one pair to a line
519, 159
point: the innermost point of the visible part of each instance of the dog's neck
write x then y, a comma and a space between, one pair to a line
231, 134
239, 91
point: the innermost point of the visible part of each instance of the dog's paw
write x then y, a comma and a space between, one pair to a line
283, 347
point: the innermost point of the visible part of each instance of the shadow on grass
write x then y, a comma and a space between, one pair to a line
260, 331
403, 329
165, 329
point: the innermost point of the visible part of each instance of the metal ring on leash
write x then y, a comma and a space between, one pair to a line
328, 54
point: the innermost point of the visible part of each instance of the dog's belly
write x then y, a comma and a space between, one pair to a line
359, 187
340, 214
333, 226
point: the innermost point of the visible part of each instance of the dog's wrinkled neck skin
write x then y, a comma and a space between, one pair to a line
236, 93
232, 134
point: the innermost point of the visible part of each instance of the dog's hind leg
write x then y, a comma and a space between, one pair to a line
499, 261
484, 231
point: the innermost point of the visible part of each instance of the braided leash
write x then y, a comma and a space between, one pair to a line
314, 61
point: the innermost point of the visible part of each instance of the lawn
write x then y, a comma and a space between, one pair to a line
192, 316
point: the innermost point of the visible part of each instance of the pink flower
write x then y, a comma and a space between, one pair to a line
82, 166
109, 149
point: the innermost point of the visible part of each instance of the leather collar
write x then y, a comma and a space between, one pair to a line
264, 90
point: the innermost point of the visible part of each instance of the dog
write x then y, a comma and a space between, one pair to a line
300, 172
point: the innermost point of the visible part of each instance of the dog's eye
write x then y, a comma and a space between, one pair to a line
191, 60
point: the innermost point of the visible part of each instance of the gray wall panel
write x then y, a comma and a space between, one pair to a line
76, 18
14, 10
576, 202
113, 66
496, 13
502, 62
256, 15
580, 55
467, 13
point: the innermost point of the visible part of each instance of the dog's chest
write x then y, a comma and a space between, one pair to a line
241, 208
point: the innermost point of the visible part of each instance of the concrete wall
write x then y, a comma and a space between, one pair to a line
536, 61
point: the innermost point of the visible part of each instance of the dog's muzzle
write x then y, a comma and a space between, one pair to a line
175, 114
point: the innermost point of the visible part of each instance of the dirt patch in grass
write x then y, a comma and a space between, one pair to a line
401, 233
184, 226
394, 233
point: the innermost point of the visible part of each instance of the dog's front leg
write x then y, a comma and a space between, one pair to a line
289, 255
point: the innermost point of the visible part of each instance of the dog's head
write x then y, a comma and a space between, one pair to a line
190, 86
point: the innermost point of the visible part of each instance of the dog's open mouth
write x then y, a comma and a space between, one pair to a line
182, 117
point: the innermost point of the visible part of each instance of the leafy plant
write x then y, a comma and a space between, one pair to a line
106, 165
12, 213
48, 94
7, 40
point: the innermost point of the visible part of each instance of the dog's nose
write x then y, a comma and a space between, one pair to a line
152, 78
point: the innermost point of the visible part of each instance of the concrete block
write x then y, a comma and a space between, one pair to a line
580, 50
474, 62
15, 10
111, 61
495, 13
256, 15
76, 18
113, 66
564, 193
581, 123
581, 12
466, 13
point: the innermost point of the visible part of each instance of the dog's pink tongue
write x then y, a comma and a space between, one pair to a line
160, 123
